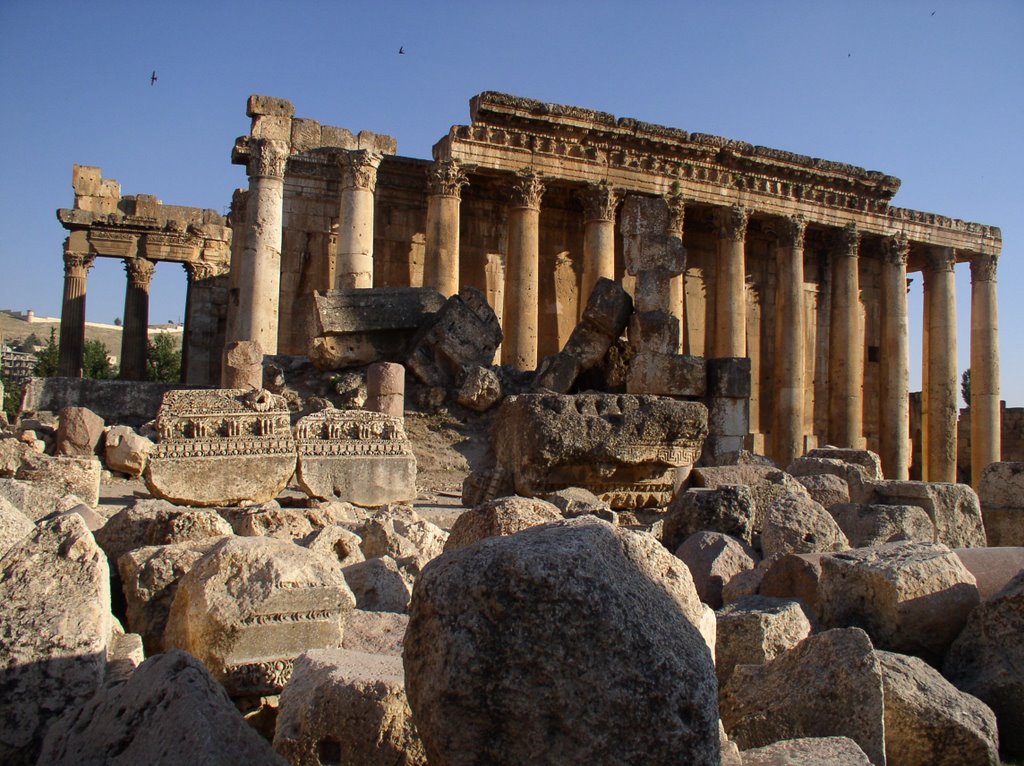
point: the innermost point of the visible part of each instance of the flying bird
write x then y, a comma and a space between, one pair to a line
152, 78
933, 13
401, 50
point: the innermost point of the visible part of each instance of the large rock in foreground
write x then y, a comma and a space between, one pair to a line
569, 643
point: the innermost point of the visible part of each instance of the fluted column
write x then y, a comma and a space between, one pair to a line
135, 334
846, 344
939, 450
354, 263
788, 413
894, 408
445, 180
72, 315
519, 348
599, 204
730, 283
260, 278
676, 286
986, 438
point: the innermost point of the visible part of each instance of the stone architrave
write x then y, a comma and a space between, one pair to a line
221, 447
361, 457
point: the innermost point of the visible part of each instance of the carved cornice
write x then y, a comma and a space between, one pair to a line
792, 231
267, 158
676, 213
732, 223
77, 264
527, 190
940, 259
200, 270
140, 272
446, 178
359, 169
600, 201
896, 250
983, 268
847, 241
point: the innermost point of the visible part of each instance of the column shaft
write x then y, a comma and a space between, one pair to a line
521, 276
72, 315
986, 426
677, 285
599, 204
788, 413
135, 334
894, 407
441, 268
730, 284
354, 263
939, 451
846, 349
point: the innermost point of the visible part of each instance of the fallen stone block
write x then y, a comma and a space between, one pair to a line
337, 543
479, 389
79, 432
1001, 493
14, 526
953, 508
766, 484
807, 751
797, 524
268, 519
504, 516
59, 476
756, 629
993, 568
869, 461
826, 489
125, 451
713, 559
867, 525
726, 508
797, 575
378, 585
375, 632
157, 522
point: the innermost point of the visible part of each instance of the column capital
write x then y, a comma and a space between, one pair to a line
77, 264
140, 271
268, 158
939, 259
600, 201
792, 230
527, 189
676, 213
199, 270
446, 178
732, 222
847, 241
896, 250
983, 268
359, 169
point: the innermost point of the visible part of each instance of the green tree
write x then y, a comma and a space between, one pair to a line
47, 358
965, 386
163, 359
96, 361
28, 345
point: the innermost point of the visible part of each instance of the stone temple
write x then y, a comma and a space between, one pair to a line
797, 263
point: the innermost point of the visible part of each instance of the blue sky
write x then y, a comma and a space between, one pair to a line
931, 92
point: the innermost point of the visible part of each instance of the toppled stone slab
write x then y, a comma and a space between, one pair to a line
59, 476
807, 751
360, 457
797, 524
797, 575
953, 508
765, 483
756, 629
504, 516
489, 643
157, 522
126, 451
15, 526
56, 631
867, 525
727, 508
221, 447
826, 489
251, 605
169, 711
35, 501
79, 432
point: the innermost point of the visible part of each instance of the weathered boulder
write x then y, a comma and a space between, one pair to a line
375, 632
378, 585
504, 516
744, 583
826, 488
126, 451
796, 524
713, 559
912, 598
399, 532
13, 452
765, 483
342, 706
251, 605
576, 501
829, 684
268, 519
869, 462
867, 525
928, 722
169, 711
35, 501
14, 526
479, 389
79, 432
953, 508
61, 476
797, 575
987, 660
727, 508
756, 629
494, 626
156, 522
807, 751
1001, 493
335, 542
55, 631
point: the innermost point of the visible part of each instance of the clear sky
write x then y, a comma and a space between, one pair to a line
931, 92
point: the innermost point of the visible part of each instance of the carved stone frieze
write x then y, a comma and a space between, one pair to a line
983, 268
732, 223
446, 178
268, 158
600, 201
527, 189
140, 272
358, 169
896, 249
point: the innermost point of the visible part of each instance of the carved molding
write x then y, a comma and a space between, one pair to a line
983, 268
527, 189
359, 169
446, 178
77, 264
600, 201
139, 271
268, 158
676, 213
896, 250
941, 259
200, 270
732, 223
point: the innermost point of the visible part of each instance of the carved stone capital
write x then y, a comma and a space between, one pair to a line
676, 213
940, 259
268, 158
896, 250
792, 231
140, 272
732, 223
77, 264
600, 201
446, 178
527, 189
847, 241
200, 270
983, 268
359, 169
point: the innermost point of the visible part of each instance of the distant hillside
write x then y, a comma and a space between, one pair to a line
14, 331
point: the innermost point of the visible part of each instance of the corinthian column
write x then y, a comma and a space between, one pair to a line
72, 315
894, 408
354, 264
846, 345
677, 294
260, 278
939, 453
599, 204
444, 188
135, 335
788, 413
730, 283
519, 348
986, 441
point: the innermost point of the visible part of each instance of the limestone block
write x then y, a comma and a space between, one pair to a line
306, 135
155, 522
713, 559
504, 516
397, 531
258, 106
866, 459
756, 629
576, 501
61, 476
243, 365
830, 684
124, 656
378, 585
744, 583
221, 447
251, 605
826, 489
729, 377
928, 722
268, 520
336, 543
987, 660
557, 372
866, 525
912, 598
479, 390
35, 501
993, 568
797, 575
623, 448
953, 508
342, 706
14, 526
375, 632
168, 711
1001, 493
666, 374
726, 508
807, 751
1004, 526
360, 457
766, 484
796, 524
656, 332
487, 648
126, 451
79, 432
646, 243
55, 613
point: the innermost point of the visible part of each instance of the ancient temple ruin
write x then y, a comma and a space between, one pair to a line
797, 263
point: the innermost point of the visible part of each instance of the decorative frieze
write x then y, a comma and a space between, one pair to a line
446, 178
